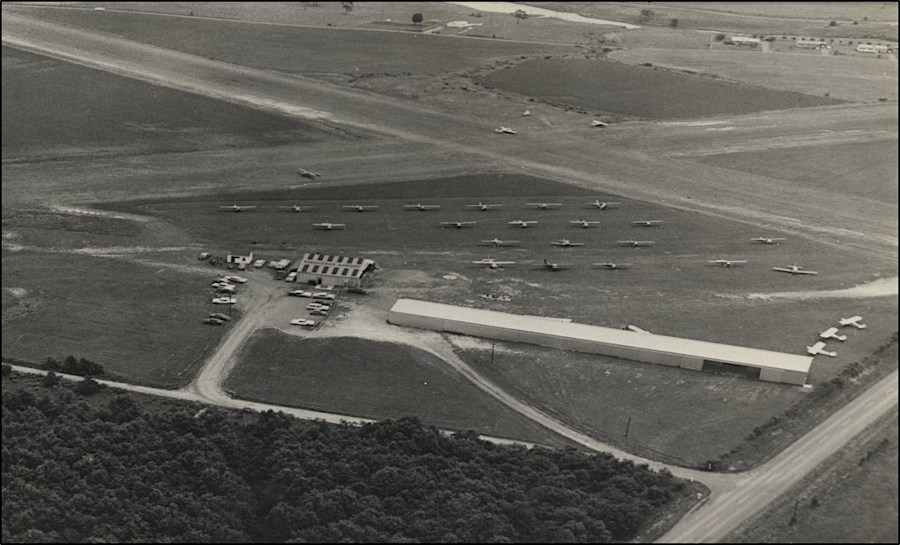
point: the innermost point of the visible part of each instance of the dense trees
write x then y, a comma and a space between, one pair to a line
113, 468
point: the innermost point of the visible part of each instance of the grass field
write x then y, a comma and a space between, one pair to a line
54, 109
371, 379
635, 90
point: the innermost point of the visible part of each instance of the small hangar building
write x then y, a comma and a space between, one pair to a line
649, 348
332, 270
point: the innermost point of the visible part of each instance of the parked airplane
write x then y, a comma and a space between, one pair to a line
506, 130
765, 240
359, 207
584, 223
236, 208
457, 224
566, 243
555, 266
832, 333
613, 266
854, 321
422, 207
635, 243
521, 223
498, 242
296, 208
308, 174
818, 348
794, 269
328, 226
597, 123
647, 223
544, 205
493, 263
601, 205
727, 263
484, 207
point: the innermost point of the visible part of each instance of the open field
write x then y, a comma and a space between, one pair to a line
634, 90
374, 380
848, 78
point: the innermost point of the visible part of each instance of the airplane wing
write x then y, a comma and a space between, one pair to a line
807, 272
781, 269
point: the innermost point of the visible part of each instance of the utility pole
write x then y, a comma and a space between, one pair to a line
492, 353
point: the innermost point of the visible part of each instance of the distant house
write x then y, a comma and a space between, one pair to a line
744, 40
239, 259
813, 44
880, 49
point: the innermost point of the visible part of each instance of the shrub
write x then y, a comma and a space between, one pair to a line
88, 387
832, 23
417, 18
50, 380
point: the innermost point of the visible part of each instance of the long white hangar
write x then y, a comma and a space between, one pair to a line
650, 348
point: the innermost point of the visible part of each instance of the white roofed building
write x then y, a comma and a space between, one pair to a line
332, 270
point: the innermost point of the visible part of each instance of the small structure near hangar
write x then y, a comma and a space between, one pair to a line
333, 270
239, 259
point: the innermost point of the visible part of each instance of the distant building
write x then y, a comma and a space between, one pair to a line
744, 40
880, 49
812, 44
332, 270
239, 259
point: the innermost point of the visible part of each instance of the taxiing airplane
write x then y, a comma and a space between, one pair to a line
498, 242
647, 223
359, 207
492, 263
854, 321
484, 207
236, 208
554, 266
765, 240
818, 348
521, 223
832, 333
598, 204
506, 130
328, 226
544, 205
597, 123
727, 263
566, 243
308, 174
794, 269
296, 208
457, 224
613, 266
635, 243
422, 207
584, 223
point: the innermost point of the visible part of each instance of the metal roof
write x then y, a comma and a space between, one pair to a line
333, 265
658, 343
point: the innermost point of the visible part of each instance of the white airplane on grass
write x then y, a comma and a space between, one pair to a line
328, 226
521, 223
635, 243
598, 123
613, 266
457, 224
727, 263
236, 208
492, 263
359, 207
765, 240
584, 223
818, 348
647, 223
422, 207
484, 207
498, 242
832, 333
544, 205
296, 208
507, 130
794, 269
555, 267
565, 243
854, 321
307, 174
600, 205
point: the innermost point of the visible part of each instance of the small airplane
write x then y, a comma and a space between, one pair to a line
296, 208
506, 130
328, 226
484, 207
308, 174
613, 266
544, 205
498, 242
554, 266
727, 263
647, 223
236, 208
492, 263
765, 240
818, 348
635, 243
565, 243
601, 205
597, 123
521, 223
794, 269
457, 224
584, 223
422, 207
832, 333
359, 207
854, 321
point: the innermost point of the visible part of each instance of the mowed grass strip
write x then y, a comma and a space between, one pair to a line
359, 377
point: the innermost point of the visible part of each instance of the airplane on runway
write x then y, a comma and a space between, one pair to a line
597, 123
521, 223
854, 321
484, 207
727, 263
308, 174
492, 263
422, 207
236, 208
498, 242
635, 243
359, 207
296, 208
598, 204
328, 226
613, 266
457, 224
584, 223
506, 130
832, 333
818, 348
555, 267
565, 243
765, 240
794, 269
647, 223
544, 205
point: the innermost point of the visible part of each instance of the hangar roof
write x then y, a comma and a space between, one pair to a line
333, 265
658, 343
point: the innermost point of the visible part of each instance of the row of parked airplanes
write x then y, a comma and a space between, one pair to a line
507, 130
491, 263
832, 333
598, 204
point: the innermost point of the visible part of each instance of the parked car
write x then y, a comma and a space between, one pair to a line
303, 322
258, 264
220, 316
213, 321
204, 255
318, 306
319, 313
224, 300
323, 295
300, 293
